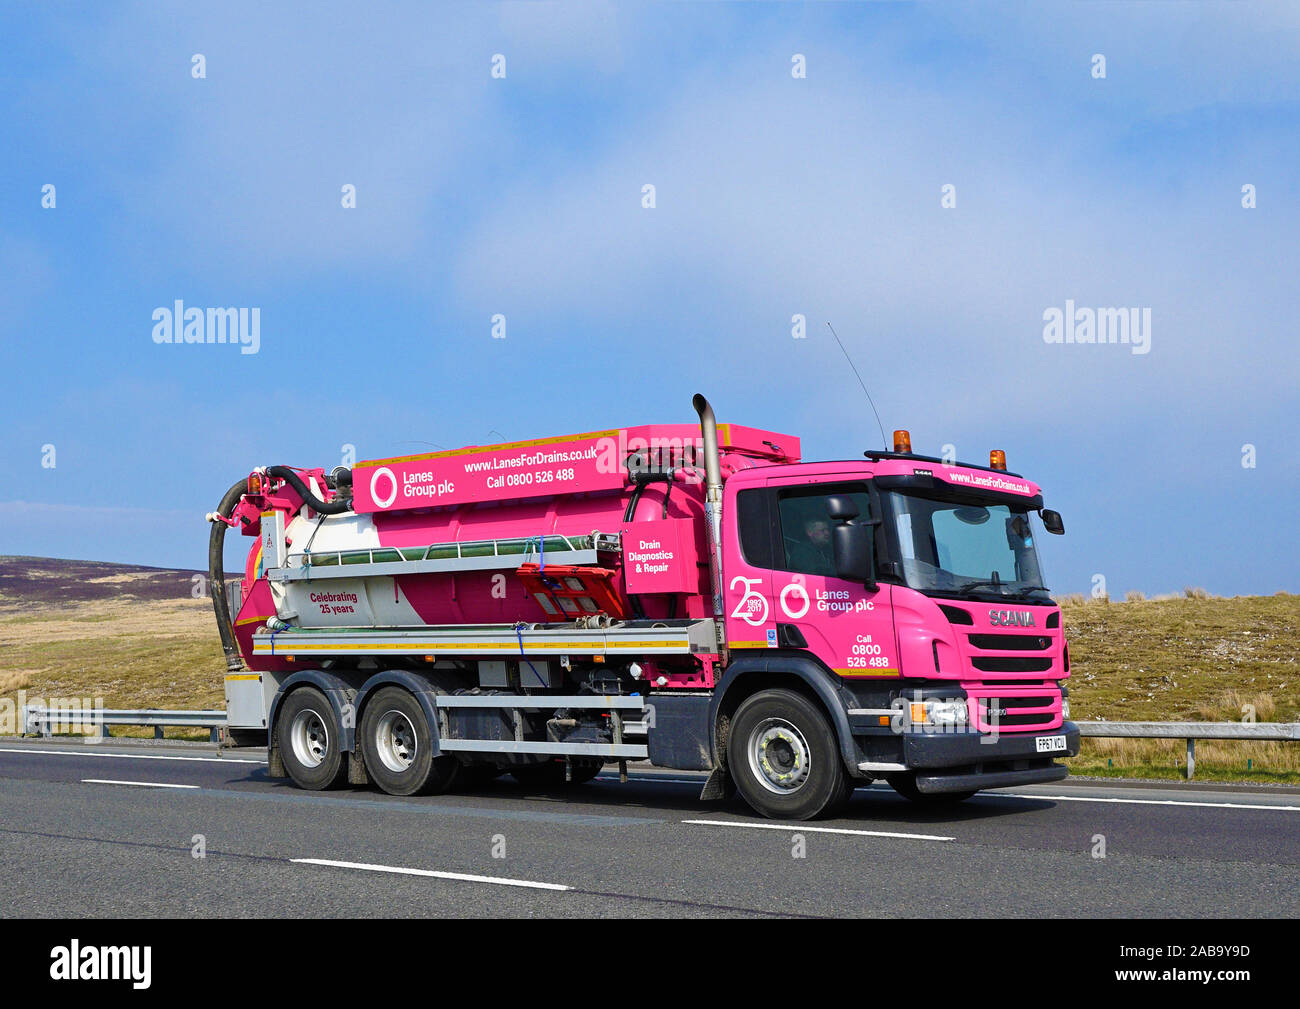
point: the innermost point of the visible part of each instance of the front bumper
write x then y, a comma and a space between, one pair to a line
965, 761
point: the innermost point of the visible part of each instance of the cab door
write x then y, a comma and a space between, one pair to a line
849, 627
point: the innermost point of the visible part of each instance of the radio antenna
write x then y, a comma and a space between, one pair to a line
884, 441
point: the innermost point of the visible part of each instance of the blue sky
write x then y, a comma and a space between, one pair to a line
775, 196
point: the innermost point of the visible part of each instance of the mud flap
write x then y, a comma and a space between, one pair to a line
275, 763
718, 786
356, 768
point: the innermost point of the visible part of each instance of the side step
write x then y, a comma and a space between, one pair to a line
615, 704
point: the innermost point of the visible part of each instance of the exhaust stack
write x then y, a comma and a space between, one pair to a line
712, 495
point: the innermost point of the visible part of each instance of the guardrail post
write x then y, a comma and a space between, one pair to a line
1191, 758
157, 732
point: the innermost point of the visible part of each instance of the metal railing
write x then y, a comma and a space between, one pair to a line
47, 721
1191, 732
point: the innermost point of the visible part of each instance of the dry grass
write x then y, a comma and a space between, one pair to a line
14, 680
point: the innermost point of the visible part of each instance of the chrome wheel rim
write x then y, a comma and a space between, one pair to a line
779, 756
395, 741
309, 735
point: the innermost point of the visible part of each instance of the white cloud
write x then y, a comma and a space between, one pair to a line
781, 196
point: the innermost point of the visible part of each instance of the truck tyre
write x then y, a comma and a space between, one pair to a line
308, 737
397, 746
905, 785
551, 773
784, 758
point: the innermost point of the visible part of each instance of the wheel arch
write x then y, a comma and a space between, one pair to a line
336, 690
421, 687
747, 676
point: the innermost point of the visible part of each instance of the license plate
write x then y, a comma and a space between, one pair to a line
1050, 744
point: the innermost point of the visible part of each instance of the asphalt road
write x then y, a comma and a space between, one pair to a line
111, 830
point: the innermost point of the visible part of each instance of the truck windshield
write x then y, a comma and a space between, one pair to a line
961, 548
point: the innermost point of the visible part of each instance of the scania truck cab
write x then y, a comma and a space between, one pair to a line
917, 585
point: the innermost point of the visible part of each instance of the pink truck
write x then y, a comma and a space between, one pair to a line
693, 595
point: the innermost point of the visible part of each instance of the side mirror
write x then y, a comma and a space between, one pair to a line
841, 508
854, 544
1053, 522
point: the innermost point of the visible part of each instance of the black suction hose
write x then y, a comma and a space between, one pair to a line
336, 507
217, 574
217, 538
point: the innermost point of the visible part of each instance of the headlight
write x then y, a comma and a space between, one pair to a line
1065, 707
946, 713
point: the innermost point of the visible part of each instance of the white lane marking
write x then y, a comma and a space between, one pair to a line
139, 784
799, 828
403, 871
1144, 802
89, 751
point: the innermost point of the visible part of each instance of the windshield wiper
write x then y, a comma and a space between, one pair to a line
1007, 591
974, 585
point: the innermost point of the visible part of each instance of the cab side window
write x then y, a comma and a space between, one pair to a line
754, 523
806, 526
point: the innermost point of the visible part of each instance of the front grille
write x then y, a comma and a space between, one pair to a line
1009, 703
1010, 664
1011, 642
1037, 719
1016, 712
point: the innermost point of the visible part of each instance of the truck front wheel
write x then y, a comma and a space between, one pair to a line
397, 746
784, 758
307, 734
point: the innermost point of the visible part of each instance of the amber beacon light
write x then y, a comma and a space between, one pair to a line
903, 442
997, 459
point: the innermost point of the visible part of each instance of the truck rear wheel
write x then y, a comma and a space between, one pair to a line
307, 734
784, 758
397, 746
905, 785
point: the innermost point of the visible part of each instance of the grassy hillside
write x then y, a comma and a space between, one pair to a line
1186, 659
134, 636
137, 638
